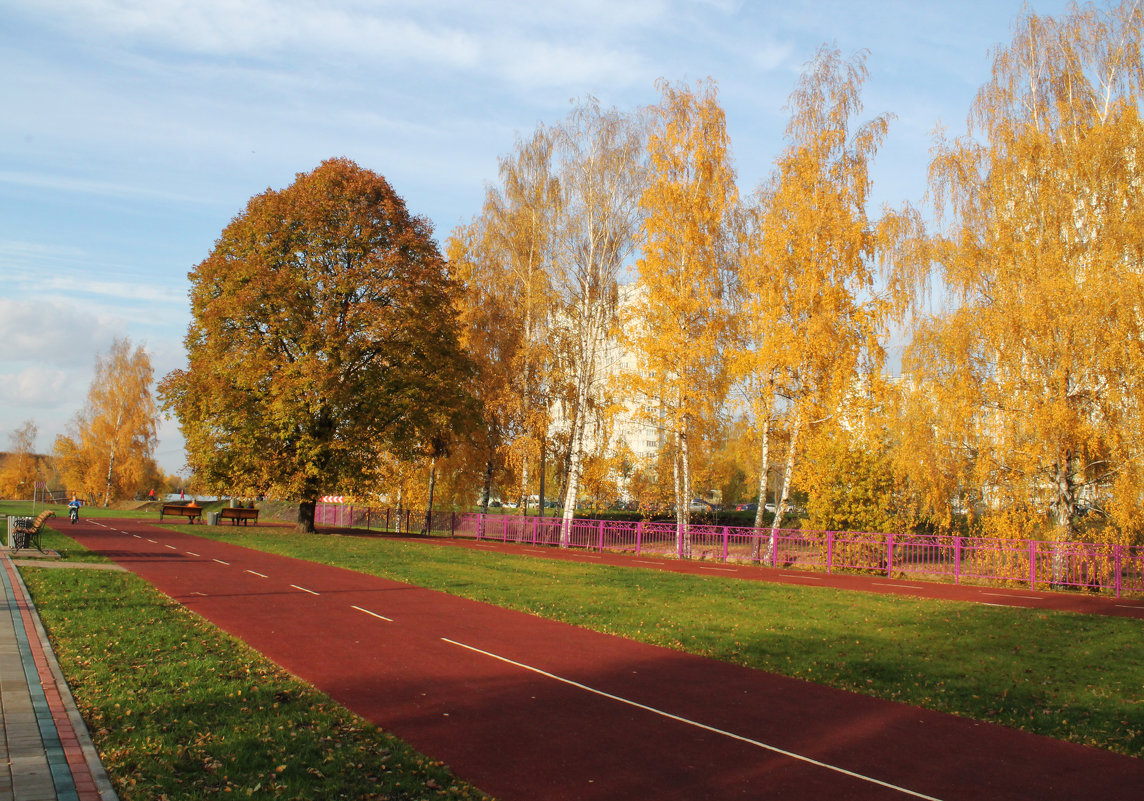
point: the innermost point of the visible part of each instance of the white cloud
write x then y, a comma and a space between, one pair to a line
35, 386
52, 333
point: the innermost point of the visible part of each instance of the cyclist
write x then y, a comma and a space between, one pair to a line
73, 509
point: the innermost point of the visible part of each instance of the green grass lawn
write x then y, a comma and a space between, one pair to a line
1074, 677
180, 710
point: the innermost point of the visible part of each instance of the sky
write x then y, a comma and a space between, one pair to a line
133, 131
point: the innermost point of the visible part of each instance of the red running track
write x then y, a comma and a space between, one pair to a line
528, 709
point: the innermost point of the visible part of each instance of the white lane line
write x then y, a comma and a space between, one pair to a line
172, 547
1004, 606
136, 536
221, 562
801, 576
151, 540
373, 614
902, 586
647, 562
256, 573
697, 724
1011, 595
1126, 606
303, 589
721, 569
191, 553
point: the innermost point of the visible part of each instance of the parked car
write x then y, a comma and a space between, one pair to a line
700, 505
747, 507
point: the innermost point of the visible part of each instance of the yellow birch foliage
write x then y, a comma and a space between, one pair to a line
21, 468
811, 310
680, 317
108, 450
1043, 249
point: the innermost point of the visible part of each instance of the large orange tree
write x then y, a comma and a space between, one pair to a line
321, 338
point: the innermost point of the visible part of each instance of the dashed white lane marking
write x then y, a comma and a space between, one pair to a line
156, 542
221, 562
1011, 595
373, 614
191, 553
1127, 606
256, 573
172, 547
697, 724
136, 536
901, 586
646, 562
801, 576
720, 569
303, 589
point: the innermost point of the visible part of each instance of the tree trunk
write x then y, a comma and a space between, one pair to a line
764, 472
543, 473
432, 487
306, 517
780, 507
487, 488
1064, 504
685, 469
110, 471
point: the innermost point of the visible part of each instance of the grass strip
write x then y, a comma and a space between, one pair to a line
180, 710
1074, 677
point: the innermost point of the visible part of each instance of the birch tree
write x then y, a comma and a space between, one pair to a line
109, 448
20, 468
811, 308
1043, 212
601, 155
678, 321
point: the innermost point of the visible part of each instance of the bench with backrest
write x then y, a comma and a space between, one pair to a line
238, 514
180, 510
25, 531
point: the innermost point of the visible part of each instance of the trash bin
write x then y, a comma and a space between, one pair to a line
212, 518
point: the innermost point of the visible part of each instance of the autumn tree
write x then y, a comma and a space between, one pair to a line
677, 320
320, 338
504, 261
108, 451
20, 468
811, 307
1042, 206
601, 173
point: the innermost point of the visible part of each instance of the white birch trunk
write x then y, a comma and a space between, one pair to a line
685, 464
764, 471
780, 507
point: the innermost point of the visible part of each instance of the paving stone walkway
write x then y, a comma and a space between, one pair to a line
44, 744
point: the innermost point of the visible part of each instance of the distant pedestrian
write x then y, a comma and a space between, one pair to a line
181, 496
151, 494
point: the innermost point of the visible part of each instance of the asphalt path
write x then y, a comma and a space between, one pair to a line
527, 708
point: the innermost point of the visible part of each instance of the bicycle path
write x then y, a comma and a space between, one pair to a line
528, 708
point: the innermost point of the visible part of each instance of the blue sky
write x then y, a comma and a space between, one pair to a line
133, 131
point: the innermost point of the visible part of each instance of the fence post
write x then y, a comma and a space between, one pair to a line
639, 536
889, 556
1032, 564
957, 559
504, 528
452, 524
829, 551
600, 533
534, 520
726, 536
774, 547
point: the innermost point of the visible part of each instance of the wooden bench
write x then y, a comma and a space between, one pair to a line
237, 515
180, 510
25, 532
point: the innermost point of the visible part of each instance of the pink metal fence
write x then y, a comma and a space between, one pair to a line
1104, 568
